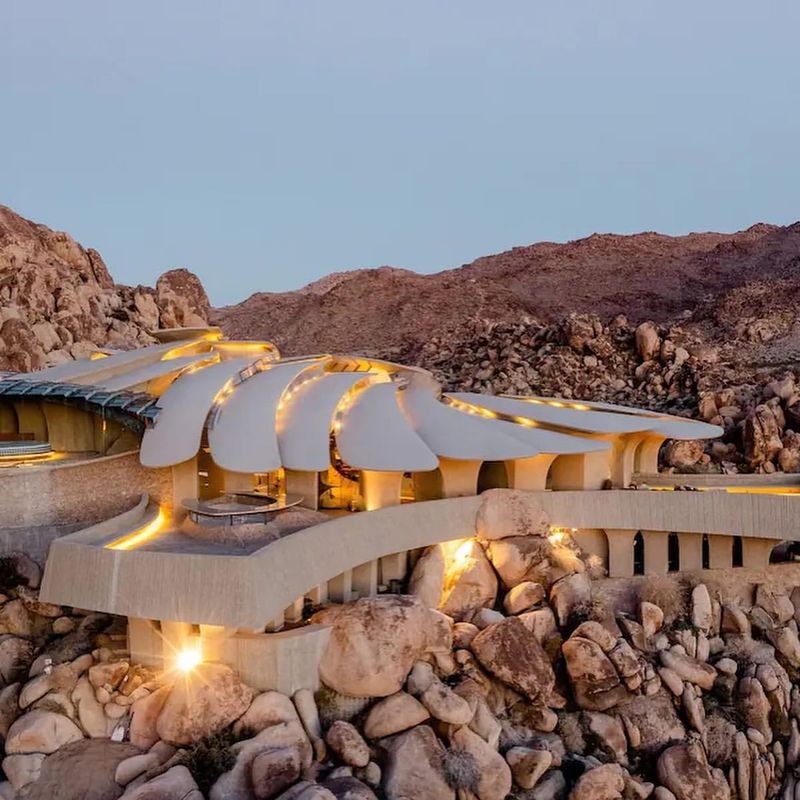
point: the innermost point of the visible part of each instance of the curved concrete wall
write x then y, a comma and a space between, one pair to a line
247, 591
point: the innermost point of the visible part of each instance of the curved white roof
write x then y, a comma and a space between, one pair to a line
304, 424
376, 434
176, 435
263, 412
242, 436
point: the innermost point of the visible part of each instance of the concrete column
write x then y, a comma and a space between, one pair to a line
691, 551
276, 623
238, 481
756, 552
305, 484
319, 594
69, 429
184, 486
394, 567
340, 588
144, 642
31, 419
647, 455
529, 474
656, 552
365, 579
620, 553
592, 541
720, 551
212, 641
176, 636
459, 478
623, 458
379, 489
294, 612
580, 472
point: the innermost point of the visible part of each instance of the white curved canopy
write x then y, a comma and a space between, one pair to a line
178, 430
243, 436
561, 415
304, 425
152, 371
376, 434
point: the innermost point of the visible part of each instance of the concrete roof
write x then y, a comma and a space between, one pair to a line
263, 412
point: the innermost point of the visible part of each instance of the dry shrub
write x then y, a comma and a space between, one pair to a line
720, 732
670, 593
461, 770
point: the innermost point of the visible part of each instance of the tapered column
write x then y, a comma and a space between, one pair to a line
340, 588
238, 481
691, 551
529, 474
580, 472
459, 478
756, 552
720, 551
306, 485
184, 486
380, 489
623, 458
365, 579
656, 552
177, 637
647, 455
144, 642
620, 553
394, 567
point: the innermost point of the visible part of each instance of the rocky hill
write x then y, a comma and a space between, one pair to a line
646, 276
59, 302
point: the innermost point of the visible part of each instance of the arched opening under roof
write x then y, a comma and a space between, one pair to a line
428, 485
9, 425
737, 552
210, 477
706, 552
673, 553
492, 475
638, 554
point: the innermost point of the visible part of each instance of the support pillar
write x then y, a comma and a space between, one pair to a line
656, 552
305, 484
176, 637
720, 551
459, 478
144, 642
623, 459
647, 455
294, 612
184, 486
212, 641
529, 474
238, 481
691, 551
580, 472
319, 594
380, 489
756, 552
394, 567
620, 553
340, 588
365, 579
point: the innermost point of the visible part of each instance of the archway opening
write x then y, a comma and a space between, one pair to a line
638, 554
492, 475
673, 553
706, 552
737, 555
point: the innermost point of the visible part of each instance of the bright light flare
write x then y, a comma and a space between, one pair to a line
189, 658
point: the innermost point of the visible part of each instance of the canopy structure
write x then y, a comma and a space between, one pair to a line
262, 412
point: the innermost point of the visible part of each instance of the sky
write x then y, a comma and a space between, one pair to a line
264, 144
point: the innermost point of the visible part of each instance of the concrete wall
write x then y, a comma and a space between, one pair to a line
78, 492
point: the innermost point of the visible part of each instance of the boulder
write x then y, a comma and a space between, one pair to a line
374, 643
683, 453
445, 705
776, 604
521, 558
274, 770
684, 770
511, 653
92, 716
595, 682
16, 656
9, 708
761, 436
528, 765
523, 597
648, 342
176, 783
601, 783
541, 623
349, 788
61, 678
20, 770
702, 616
348, 744
569, 593
268, 708
206, 700
494, 782
396, 713
41, 731
132, 767
509, 512
652, 618
21, 569
414, 766
455, 577
81, 770
689, 669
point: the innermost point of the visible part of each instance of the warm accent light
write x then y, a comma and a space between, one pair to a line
133, 540
188, 658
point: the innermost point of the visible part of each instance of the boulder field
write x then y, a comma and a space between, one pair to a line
503, 672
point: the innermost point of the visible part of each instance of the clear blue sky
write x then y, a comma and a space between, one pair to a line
264, 144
